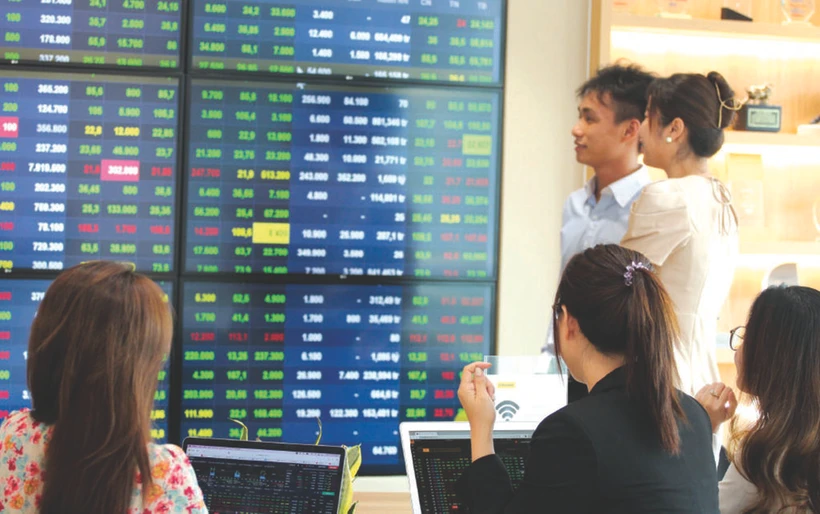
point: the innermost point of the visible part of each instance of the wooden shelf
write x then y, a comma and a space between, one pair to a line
768, 254
714, 28
780, 247
770, 139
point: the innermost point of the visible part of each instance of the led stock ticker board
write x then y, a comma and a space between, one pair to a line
19, 301
129, 33
431, 40
351, 181
335, 235
360, 358
87, 170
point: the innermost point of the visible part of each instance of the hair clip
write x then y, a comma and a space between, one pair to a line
630, 269
735, 105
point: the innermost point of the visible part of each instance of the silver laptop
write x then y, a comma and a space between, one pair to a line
436, 454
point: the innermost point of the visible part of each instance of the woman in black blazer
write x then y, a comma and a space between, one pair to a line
635, 444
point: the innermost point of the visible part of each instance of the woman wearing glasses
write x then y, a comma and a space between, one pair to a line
776, 457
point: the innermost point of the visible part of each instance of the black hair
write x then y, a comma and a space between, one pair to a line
623, 309
703, 103
626, 86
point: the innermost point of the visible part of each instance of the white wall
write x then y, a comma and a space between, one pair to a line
546, 62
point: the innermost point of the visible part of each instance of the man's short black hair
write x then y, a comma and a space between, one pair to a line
626, 85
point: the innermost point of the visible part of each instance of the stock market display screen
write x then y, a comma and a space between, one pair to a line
342, 180
19, 300
133, 33
359, 358
433, 40
87, 170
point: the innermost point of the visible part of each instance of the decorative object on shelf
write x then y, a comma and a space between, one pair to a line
811, 128
797, 11
674, 8
782, 275
756, 114
737, 10
625, 6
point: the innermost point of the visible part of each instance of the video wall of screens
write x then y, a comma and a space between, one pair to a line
316, 180
427, 40
319, 180
360, 358
87, 169
19, 301
128, 33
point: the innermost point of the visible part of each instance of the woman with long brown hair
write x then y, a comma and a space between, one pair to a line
96, 347
633, 445
775, 460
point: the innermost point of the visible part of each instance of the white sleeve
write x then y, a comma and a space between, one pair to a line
735, 492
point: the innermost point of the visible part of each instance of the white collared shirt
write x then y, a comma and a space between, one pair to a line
587, 222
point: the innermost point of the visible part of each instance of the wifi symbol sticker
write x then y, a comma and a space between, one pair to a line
507, 409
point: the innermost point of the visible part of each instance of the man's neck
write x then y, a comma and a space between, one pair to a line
607, 175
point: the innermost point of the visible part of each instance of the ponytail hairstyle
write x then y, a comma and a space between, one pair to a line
96, 347
623, 310
705, 103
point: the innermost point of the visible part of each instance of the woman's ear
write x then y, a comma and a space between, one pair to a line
675, 129
571, 324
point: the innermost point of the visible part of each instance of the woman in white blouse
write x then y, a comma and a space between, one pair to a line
776, 458
686, 225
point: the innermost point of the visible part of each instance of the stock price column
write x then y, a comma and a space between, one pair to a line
342, 180
91, 165
447, 328
132, 33
233, 359
238, 179
19, 301
343, 366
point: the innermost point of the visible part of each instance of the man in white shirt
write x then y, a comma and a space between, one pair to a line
610, 111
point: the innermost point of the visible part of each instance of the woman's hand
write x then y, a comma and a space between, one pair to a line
477, 396
719, 401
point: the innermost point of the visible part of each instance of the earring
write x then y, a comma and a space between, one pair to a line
668, 139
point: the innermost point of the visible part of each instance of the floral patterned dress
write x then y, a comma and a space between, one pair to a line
23, 444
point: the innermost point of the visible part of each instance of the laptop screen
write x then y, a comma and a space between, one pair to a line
440, 457
266, 481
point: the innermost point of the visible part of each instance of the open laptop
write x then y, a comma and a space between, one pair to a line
436, 453
266, 478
